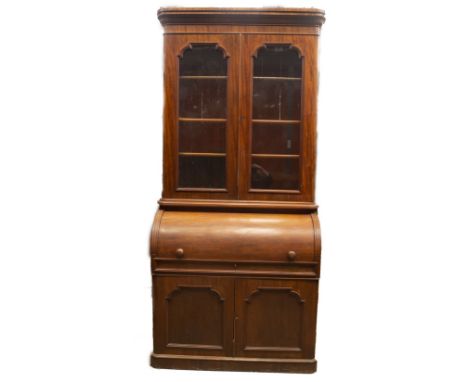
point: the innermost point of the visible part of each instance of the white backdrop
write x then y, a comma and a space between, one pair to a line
80, 172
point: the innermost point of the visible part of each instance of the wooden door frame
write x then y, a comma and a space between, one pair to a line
174, 45
307, 44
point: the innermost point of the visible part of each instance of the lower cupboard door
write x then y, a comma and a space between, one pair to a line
193, 315
275, 318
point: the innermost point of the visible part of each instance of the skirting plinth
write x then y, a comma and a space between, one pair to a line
281, 365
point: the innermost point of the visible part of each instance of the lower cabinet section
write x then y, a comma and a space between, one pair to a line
265, 324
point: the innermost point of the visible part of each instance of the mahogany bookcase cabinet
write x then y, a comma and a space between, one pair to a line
235, 244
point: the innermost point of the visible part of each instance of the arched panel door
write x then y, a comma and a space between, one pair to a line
277, 138
200, 116
275, 318
193, 315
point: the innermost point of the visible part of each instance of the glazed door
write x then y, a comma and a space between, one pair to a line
201, 114
277, 137
275, 318
193, 315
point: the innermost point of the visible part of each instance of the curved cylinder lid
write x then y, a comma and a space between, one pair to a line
235, 236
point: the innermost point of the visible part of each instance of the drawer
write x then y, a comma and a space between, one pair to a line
236, 237
163, 266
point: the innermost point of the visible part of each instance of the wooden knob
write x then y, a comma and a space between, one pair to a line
179, 253
291, 255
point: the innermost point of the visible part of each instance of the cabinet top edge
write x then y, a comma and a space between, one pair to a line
167, 203
242, 16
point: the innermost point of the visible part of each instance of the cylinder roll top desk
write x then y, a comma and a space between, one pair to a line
235, 244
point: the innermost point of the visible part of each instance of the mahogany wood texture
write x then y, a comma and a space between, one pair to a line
275, 318
240, 38
307, 46
194, 315
176, 203
235, 236
242, 16
235, 248
174, 46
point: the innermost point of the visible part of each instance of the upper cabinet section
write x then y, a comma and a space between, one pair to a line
240, 104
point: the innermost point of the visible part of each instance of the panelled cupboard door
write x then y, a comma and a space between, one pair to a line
201, 116
277, 136
275, 318
193, 315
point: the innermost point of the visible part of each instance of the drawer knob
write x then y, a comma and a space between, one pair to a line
179, 252
291, 255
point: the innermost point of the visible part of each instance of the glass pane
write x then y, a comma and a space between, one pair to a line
202, 137
275, 173
204, 172
202, 98
275, 138
276, 99
278, 61
276, 118
203, 60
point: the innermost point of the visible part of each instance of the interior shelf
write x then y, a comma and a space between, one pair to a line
276, 121
277, 78
275, 155
203, 77
188, 154
186, 119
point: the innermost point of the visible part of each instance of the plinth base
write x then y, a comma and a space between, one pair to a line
278, 365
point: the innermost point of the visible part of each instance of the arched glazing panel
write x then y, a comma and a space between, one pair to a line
202, 117
276, 118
